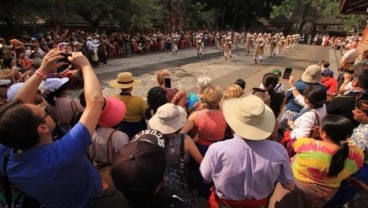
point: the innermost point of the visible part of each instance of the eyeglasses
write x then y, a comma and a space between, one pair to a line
47, 111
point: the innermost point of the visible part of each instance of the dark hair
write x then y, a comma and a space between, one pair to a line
18, 126
156, 97
361, 75
50, 96
338, 129
241, 83
316, 95
326, 64
270, 81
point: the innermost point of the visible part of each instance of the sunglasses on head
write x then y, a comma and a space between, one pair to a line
362, 97
362, 102
256, 89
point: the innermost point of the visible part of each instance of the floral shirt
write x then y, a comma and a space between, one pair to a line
360, 139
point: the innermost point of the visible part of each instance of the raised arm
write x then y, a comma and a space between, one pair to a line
92, 92
298, 98
48, 65
189, 124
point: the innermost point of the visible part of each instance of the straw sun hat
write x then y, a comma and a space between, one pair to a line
249, 117
124, 80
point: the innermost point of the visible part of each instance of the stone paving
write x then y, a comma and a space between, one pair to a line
184, 75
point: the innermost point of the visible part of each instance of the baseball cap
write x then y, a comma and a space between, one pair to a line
276, 71
13, 89
139, 166
4, 82
329, 72
53, 84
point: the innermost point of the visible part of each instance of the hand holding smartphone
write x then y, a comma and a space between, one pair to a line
167, 82
287, 73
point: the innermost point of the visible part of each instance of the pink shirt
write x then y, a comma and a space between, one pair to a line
64, 109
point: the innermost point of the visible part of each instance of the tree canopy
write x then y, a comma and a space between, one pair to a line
140, 14
325, 8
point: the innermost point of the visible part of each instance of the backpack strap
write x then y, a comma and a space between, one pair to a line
7, 190
110, 156
316, 121
182, 160
73, 106
277, 87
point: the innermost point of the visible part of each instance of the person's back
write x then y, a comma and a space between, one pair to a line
244, 169
261, 162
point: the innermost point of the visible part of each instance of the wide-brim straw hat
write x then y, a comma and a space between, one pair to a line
249, 117
312, 74
124, 80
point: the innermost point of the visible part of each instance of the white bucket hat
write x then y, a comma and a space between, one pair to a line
168, 119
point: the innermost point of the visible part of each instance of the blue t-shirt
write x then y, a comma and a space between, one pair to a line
58, 174
301, 86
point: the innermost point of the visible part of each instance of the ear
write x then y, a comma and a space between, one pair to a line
323, 134
43, 129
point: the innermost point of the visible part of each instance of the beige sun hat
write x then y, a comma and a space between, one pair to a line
168, 119
124, 80
312, 74
249, 117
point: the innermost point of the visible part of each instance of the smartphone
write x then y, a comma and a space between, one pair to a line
167, 82
287, 73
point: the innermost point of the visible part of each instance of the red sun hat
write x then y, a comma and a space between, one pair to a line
113, 112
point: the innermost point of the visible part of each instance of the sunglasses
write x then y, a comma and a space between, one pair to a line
47, 111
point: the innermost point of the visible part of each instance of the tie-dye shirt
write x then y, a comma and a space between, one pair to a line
313, 158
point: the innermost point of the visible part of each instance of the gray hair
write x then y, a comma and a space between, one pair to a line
203, 83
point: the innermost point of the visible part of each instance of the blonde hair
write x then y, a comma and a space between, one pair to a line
211, 97
161, 76
233, 91
203, 83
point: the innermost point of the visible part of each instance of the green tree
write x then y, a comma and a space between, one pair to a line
17, 12
210, 18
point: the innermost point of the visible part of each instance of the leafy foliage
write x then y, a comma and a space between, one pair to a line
140, 14
325, 8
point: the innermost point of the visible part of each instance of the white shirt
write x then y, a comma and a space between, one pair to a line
350, 56
303, 124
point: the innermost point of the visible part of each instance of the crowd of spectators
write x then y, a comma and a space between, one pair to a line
130, 151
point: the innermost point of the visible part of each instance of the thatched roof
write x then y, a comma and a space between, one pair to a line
280, 20
330, 20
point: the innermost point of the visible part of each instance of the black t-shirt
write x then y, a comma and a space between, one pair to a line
343, 106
